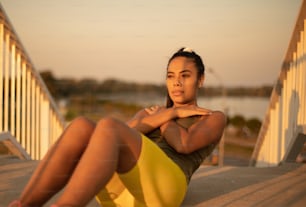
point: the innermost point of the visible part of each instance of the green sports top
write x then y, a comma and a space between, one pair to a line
189, 163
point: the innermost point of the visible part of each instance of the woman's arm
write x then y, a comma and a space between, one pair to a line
151, 118
207, 130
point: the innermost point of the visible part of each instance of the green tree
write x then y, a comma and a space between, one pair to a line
50, 82
254, 125
238, 121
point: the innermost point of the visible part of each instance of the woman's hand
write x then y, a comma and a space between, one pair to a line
180, 112
151, 118
154, 109
155, 116
191, 110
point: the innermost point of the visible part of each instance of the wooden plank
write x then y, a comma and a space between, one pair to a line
284, 185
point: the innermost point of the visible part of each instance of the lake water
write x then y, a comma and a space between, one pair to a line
249, 107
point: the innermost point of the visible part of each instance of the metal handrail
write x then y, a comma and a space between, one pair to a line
28, 111
286, 113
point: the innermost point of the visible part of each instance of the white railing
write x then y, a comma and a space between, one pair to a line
27, 109
286, 115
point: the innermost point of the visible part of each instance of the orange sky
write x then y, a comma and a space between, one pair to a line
243, 41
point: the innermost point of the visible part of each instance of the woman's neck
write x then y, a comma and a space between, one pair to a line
186, 104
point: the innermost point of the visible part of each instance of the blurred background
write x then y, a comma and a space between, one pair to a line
108, 58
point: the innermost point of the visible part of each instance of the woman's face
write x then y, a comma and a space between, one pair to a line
182, 81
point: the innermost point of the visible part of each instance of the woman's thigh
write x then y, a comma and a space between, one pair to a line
115, 134
154, 181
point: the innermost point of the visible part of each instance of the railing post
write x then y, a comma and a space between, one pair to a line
33, 117
1, 74
28, 113
18, 97
24, 104
45, 127
284, 115
13, 88
6, 81
304, 78
37, 121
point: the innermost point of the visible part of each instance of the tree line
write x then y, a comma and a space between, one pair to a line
66, 87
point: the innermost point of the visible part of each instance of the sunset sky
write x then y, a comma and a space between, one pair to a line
242, 41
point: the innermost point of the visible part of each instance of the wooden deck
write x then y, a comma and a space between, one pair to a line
282, 186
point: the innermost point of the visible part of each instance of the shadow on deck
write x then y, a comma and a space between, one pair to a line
284, 185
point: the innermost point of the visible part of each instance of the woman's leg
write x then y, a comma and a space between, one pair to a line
155, 181
54, 171
113, 146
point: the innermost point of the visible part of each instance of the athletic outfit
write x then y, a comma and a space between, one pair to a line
160, 177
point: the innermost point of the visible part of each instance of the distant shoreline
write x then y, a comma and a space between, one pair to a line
66, 87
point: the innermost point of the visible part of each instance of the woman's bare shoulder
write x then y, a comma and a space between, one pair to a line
215, 117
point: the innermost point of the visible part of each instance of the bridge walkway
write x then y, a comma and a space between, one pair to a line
281, 186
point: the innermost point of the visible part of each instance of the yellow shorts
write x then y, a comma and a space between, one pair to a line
155, 181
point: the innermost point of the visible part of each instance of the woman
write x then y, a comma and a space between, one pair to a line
147, 161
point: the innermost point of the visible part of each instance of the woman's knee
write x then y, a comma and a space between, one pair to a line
112, 126
77, 135
82, 125
109, 123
